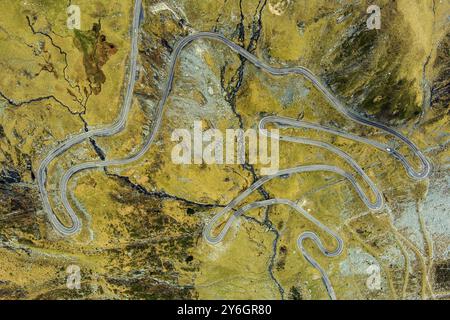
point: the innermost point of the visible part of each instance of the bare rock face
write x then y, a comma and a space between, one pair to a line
440, 88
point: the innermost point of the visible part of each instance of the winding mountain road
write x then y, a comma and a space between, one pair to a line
279, 121
115, 128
